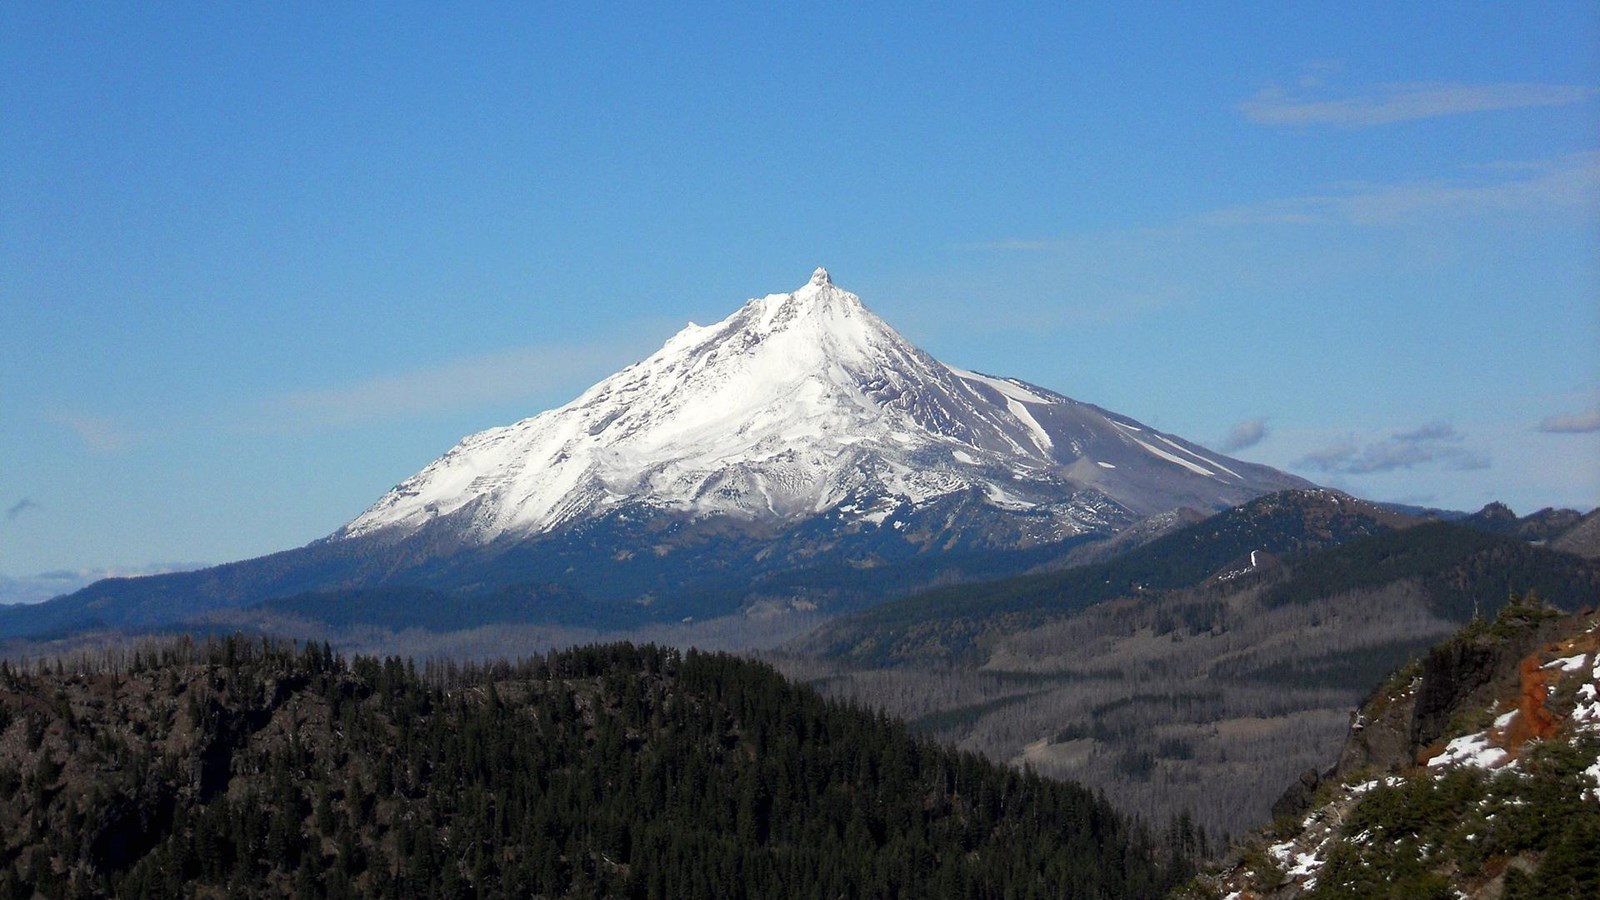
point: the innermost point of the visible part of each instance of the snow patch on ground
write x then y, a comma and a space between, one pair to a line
1041, 438
1475, 750
877, 516
1156, 451
1008, 389
1300, 865
1567, 664
1204, 459
1005, 500
1586, 714
1365, 786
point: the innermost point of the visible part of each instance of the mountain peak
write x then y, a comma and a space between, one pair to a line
830, 313
806, 404
821, 286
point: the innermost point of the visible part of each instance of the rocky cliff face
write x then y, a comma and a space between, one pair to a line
1402, 720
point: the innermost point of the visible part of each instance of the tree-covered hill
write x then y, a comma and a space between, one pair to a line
1329, 544
949, 624
245, 768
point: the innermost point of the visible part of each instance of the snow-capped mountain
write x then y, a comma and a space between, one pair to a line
799, 454
805, 404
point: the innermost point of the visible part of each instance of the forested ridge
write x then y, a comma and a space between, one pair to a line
1461, 570
950, 624
240, 767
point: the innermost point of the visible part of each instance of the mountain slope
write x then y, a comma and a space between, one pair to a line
1472, 773
1582, 538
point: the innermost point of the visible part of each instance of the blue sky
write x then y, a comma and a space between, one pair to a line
258, 265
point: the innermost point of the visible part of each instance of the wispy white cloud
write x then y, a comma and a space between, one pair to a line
1576, 423
98, 433
459, 385
1244, 435
1434, 443
1570, 182
1565, 184
1389, 103
1316, 73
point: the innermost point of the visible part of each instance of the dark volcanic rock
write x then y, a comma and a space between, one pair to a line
1297, 799
1451, 673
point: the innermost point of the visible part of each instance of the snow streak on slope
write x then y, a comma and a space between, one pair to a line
795, 405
